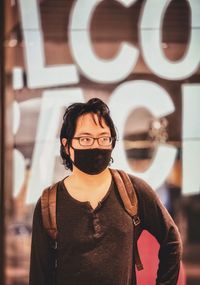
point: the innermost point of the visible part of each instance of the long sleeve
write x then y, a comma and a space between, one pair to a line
41, 261
156, 219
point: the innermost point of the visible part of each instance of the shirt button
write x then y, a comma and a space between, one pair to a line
97, 228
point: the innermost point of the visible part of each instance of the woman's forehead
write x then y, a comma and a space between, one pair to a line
89, 121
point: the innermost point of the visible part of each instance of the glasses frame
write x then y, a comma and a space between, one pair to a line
94, 139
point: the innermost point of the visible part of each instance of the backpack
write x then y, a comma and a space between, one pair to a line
127, 194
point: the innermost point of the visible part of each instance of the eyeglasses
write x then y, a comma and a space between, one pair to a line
89, 141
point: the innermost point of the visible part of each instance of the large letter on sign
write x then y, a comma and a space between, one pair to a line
191, 138
37, 74
94, 68
151, 39
132, 95
47, 145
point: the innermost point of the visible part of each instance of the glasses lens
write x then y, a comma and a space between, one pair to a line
86, 141
105, 141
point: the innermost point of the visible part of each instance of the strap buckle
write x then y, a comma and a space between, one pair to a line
54, 244
136, 220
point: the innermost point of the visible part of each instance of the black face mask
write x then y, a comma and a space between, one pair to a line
92, 161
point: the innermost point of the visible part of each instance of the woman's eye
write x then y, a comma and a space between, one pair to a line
85, 139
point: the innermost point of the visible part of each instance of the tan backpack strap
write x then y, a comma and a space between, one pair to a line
48, 208
125, 188
130, 201
130, 191
132, 196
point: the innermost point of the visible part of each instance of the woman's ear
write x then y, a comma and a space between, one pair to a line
64, 143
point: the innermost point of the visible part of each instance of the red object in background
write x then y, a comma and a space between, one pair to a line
148, 248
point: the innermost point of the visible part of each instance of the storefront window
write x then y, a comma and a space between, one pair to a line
143, 61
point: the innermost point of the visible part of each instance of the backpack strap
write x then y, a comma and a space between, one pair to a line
48, 207
130, 201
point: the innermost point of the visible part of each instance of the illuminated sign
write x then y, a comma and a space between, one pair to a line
138, 93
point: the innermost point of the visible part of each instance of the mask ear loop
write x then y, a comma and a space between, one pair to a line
68, 148
111, 161
67, 152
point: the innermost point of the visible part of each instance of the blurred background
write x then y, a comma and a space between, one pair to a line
140, 57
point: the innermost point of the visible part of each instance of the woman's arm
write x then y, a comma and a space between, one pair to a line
156, 219
42, 259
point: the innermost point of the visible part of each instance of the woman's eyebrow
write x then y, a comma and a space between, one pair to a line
84, 133
104, 133
89, 134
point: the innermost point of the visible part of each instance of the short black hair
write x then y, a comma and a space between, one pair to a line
72, 113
